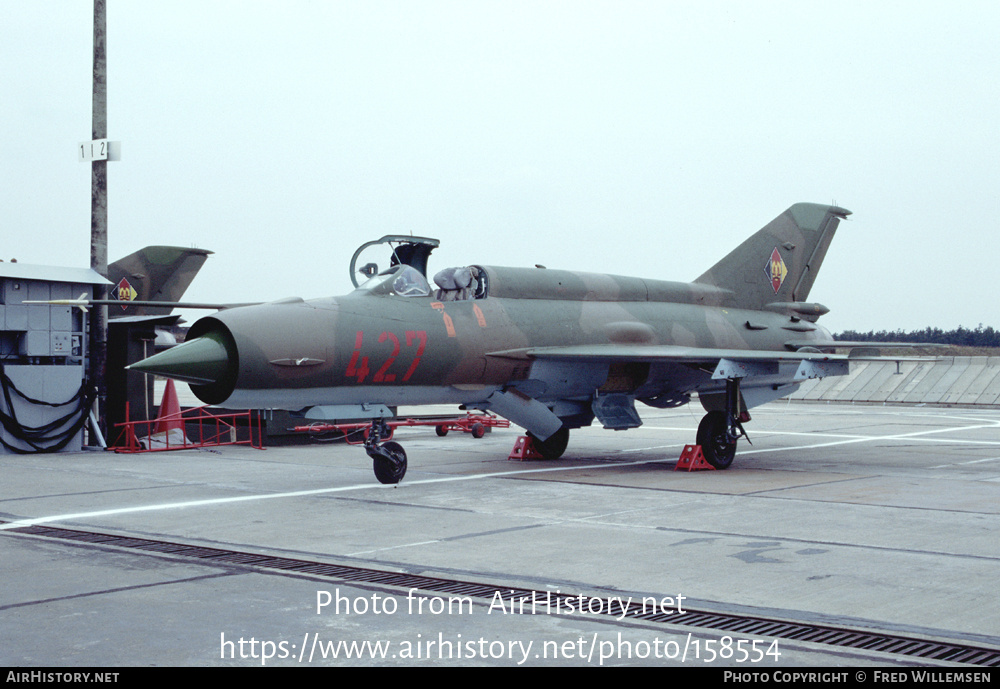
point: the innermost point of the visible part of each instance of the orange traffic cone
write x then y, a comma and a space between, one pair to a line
169, 430
169, 416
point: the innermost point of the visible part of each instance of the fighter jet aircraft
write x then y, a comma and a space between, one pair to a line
550, 350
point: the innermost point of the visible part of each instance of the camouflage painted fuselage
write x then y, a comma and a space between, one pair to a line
374, 346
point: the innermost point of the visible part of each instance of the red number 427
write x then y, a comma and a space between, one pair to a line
358, 367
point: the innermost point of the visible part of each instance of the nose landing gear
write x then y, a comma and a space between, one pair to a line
388, 458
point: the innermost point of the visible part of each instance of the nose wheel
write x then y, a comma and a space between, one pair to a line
388, 458
388, 461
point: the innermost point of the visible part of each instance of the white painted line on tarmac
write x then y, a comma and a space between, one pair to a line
916, 435
21, 523
392, 547
971, 461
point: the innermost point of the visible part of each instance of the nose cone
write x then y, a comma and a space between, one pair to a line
202, 361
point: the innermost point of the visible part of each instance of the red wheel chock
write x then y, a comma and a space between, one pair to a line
524, 449
692, 459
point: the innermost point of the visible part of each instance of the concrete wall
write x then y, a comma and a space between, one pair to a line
959, 380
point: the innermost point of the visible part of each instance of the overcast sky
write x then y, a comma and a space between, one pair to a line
637, 138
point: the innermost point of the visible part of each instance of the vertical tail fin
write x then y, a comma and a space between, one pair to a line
155, 273
780, 262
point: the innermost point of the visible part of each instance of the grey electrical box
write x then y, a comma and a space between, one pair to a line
43, 357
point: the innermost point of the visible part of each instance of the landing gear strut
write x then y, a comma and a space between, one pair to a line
719, 430
388, 458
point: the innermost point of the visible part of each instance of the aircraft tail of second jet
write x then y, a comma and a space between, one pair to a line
155, 273
780, 262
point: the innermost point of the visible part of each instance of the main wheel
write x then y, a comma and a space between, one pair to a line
390, 463
554, 447
713, 436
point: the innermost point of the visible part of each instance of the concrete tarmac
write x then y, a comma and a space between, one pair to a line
878, 518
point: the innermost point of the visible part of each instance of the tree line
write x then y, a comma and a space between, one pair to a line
981, 336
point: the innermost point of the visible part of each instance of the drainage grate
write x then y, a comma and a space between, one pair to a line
743, 624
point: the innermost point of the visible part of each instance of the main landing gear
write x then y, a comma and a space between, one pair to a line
554, 446
388, 458
719, 430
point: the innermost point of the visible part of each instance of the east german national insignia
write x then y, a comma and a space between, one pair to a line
125, 292
776, 269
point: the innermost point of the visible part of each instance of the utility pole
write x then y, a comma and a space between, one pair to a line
99, 217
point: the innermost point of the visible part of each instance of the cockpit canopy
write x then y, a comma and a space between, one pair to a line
401, 280
454, 284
